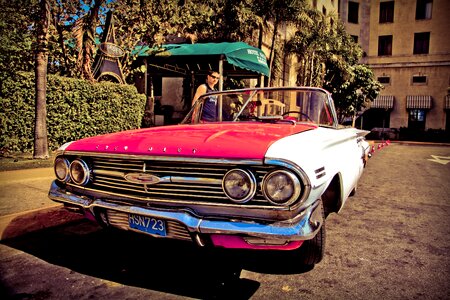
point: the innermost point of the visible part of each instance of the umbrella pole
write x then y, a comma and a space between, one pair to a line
221, 73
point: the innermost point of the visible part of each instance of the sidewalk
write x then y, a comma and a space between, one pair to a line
24, 204
26, 189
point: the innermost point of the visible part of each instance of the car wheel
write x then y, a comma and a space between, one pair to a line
312, 251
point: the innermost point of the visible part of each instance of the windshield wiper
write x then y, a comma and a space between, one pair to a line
270, 118
267, 119
293, 122
247, 117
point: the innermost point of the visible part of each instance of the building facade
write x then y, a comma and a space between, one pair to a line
406, 44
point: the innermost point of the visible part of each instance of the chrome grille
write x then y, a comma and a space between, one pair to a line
108, 176
175, 230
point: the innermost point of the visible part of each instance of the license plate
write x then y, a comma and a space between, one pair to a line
147, 224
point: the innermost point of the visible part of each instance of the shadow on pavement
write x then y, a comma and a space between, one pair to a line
15, 225
168, 266
273, 262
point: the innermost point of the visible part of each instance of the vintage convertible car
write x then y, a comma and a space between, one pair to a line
250, 169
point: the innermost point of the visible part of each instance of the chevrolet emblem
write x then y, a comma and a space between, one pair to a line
142, 178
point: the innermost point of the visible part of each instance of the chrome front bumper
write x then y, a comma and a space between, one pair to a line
303, 227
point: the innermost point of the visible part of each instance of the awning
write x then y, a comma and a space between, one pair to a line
418, 101
205, 56
383, 101
447, 102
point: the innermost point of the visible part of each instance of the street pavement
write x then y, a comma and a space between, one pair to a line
24, 204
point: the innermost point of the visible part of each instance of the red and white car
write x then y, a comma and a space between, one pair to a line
250, 169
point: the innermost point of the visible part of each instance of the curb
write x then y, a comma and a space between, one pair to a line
18, 224
381, 144
411, 143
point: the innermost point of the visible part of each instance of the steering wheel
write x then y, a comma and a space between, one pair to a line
297, 112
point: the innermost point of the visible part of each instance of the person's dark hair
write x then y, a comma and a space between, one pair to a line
210, 72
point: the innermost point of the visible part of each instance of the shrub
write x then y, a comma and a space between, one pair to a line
75, 109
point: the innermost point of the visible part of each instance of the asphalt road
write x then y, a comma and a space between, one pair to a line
391, 240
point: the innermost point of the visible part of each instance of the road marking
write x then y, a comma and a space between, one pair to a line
443, 160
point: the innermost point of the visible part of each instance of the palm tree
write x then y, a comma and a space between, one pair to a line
40, 124
84, 34
274, 13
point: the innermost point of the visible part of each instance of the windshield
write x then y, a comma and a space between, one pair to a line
289, 105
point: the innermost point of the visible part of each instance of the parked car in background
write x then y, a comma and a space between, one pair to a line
262, 169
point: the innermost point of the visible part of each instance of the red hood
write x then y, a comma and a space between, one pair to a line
225, 140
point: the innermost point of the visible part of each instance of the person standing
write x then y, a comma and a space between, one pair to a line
209, 106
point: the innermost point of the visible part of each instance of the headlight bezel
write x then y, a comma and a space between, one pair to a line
86, 177
251, 182
65, 164
296, 185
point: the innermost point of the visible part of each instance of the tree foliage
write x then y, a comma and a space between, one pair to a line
353, 95
83, 30
274, 13
156, 22
17, 36
328, 57
149, 22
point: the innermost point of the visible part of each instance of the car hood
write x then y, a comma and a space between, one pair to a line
224, 140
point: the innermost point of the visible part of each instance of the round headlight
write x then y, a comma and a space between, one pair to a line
239, 185
281, 187
61, 168
79, 172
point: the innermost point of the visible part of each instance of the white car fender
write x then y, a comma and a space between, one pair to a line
322, 153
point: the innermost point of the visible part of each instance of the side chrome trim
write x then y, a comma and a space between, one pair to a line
320, 172
303, 227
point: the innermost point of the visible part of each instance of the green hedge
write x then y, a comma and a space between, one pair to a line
75, 109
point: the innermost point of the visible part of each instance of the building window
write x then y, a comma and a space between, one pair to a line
354, 38
385, 45
421, 42
353, 10
419, 79
384, 79
387, 12
416, 119
423, 9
